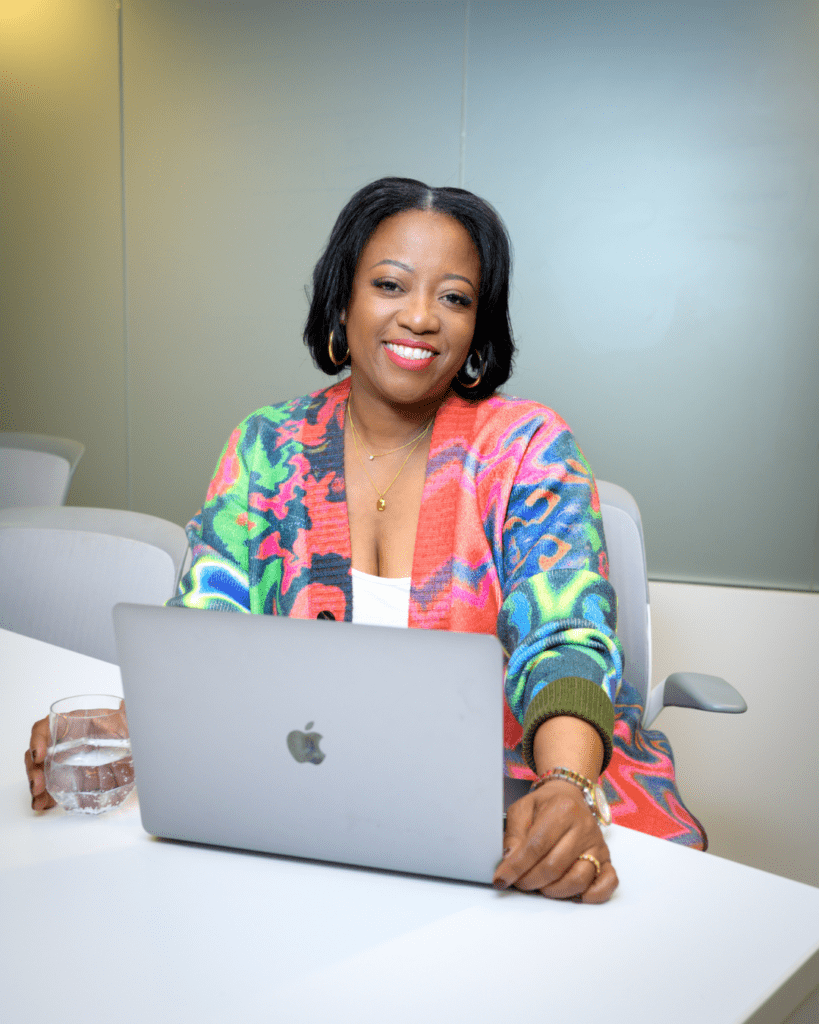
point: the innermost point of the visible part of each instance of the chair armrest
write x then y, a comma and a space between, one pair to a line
693, 690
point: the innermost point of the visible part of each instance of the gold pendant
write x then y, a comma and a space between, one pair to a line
380, 505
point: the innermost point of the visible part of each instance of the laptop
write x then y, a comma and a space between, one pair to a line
364, 745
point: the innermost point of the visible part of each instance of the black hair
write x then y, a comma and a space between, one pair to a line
493, 347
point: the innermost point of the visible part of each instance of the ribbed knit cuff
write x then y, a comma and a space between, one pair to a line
572, 695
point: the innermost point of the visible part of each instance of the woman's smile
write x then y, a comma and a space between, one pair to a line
410, 355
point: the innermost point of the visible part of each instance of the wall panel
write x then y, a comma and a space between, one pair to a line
728, 766
62, 366
247, 127
657, 167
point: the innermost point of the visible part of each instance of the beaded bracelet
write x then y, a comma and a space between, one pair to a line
592, 792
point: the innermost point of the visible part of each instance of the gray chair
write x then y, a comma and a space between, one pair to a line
36, 469
628, 576
63, 569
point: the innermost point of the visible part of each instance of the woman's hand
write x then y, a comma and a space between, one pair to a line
35, 756
549, 835
553, 841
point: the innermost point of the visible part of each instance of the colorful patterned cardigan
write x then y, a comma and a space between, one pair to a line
509, 541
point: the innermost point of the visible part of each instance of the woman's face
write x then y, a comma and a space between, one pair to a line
412, 309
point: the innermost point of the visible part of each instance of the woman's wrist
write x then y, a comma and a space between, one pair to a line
569, 697
593, 793
564, 741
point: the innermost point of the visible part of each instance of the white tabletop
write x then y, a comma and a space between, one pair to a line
96, 916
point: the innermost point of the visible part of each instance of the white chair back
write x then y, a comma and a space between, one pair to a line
628, 575
36, 469
63, 569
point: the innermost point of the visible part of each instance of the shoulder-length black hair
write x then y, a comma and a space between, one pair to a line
493, 347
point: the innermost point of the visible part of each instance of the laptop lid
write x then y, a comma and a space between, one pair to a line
365, 745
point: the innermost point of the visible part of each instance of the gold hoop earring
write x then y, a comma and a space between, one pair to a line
477, 380
333, 360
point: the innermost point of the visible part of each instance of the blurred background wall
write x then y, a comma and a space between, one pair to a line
63, 367
171, 170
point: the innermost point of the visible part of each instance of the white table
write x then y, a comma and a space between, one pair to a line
96, 918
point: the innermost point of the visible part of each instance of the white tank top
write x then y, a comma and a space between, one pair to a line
379, 600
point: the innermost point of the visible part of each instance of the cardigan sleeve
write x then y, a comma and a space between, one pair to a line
558, 619
217, 534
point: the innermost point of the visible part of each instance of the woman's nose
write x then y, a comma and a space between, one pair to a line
418, 314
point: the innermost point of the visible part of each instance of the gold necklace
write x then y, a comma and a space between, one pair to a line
392, 451
381, 504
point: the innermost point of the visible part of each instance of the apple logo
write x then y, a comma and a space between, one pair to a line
304, 746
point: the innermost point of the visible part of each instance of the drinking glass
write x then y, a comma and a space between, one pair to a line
88, 765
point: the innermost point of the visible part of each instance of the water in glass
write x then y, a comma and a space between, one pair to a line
90, 775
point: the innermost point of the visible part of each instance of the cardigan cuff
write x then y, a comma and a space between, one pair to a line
572, 695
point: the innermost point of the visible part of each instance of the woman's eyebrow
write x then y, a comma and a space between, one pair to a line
410, 270
394, 263
459, 277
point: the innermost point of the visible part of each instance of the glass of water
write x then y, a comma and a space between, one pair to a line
88, 765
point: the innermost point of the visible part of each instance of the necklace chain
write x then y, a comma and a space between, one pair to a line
381, 504
392, 451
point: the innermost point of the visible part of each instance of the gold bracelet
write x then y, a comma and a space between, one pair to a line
592, 791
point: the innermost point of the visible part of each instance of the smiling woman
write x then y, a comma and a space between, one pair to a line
414, 494
409, 324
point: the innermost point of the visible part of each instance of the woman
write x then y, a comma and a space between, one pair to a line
410, 493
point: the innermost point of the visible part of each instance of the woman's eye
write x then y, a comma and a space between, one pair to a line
386, 285
456, 299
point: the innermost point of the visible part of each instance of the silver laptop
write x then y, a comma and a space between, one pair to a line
364, 745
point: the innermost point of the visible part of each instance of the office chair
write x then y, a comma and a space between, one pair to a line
36, 469
628, 575
63, 569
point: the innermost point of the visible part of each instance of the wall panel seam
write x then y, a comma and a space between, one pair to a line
124, 234
464, 83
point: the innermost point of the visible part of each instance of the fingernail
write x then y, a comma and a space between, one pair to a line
507, 850
31, 786
500, 883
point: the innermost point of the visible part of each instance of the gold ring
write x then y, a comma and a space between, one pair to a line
598, 867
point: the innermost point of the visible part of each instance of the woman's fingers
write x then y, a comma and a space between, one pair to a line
590, 877
554, 845
564, 872
543, 858
35, 756
602, 888
574, 882
518, 855
38, 744
40, 799
546, 831
43, 802
581, 880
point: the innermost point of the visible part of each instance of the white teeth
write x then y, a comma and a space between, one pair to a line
410, 353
